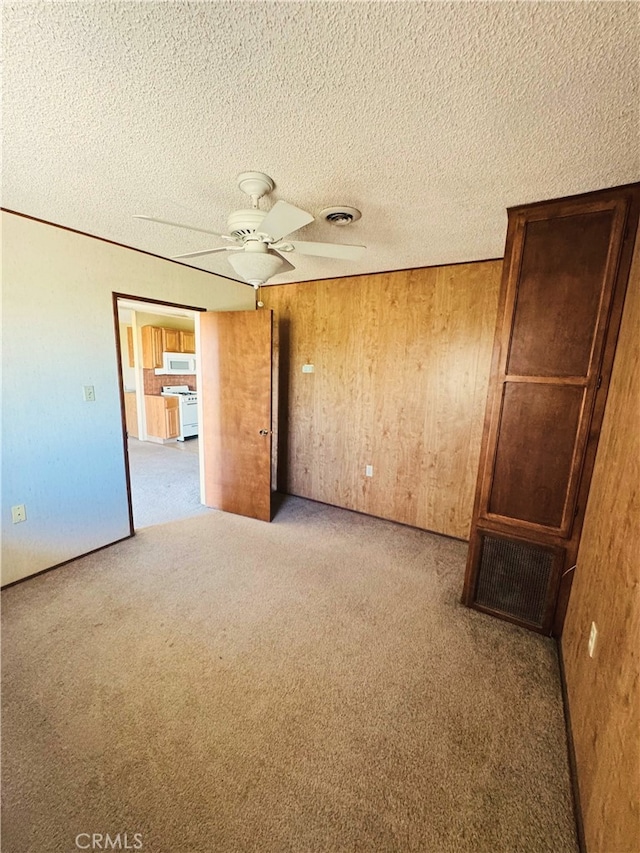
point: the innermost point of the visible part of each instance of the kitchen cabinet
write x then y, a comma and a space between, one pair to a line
172, 420
163, 418
152, 346
171, 340
131, 413
187, 342
159, 339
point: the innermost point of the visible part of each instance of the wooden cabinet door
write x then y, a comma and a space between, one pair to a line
187, 342
235, 408
152, 346
565, 273
162, 416
172, 422
171, 340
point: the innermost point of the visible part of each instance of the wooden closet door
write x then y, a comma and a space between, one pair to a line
565, 273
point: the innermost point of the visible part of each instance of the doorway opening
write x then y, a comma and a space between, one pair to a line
159, 370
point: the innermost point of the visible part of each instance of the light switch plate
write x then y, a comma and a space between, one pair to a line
308, 368
89, 393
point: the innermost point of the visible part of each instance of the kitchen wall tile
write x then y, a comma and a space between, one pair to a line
153, 384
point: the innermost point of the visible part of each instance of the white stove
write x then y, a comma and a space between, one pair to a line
187, 408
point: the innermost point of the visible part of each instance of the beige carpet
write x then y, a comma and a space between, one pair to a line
165, 481
220, 684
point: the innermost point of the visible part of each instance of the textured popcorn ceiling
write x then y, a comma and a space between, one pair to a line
431, 118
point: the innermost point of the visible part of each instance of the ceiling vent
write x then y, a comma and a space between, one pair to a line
341, 215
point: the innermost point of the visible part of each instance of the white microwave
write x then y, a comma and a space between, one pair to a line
177, 363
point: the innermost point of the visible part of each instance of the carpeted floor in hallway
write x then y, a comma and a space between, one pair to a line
221, 684
165, 481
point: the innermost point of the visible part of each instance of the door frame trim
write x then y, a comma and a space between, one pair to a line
116, 295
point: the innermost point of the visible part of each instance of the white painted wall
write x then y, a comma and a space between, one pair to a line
63, 457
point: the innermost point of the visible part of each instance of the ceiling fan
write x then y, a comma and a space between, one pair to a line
258, 236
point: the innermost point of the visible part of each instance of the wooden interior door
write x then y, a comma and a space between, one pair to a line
235, 398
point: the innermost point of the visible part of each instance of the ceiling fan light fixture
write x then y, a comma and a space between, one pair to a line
256, 268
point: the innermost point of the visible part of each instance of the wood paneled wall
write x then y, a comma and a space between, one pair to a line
604, 691
401, 365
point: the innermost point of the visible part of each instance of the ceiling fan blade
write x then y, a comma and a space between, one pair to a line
286, 266
204, 252
282, 219
179, 225
328, 250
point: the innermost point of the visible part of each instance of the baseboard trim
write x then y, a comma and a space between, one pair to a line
284, 493
66, 562
571, 754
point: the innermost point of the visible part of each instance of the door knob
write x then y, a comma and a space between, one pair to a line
264, 432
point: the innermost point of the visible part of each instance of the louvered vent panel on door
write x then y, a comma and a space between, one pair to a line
514, 579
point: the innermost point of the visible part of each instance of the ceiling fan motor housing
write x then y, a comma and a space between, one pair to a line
243, 223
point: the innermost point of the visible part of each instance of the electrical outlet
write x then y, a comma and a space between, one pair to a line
308, 368
368, 471
593, 636
18, 513
89, 393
